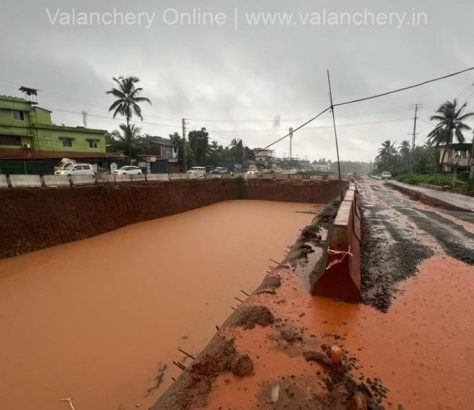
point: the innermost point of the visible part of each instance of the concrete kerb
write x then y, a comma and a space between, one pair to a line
341, 278
433, 199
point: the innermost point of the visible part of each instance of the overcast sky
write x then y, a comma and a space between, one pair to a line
235, 70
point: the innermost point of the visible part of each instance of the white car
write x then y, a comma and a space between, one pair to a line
252, 173
197, 172
76, 169
127, 170
386, 175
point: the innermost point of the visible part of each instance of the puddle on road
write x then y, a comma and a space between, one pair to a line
94, 320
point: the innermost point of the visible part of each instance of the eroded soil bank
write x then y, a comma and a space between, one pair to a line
37, 218
95, 320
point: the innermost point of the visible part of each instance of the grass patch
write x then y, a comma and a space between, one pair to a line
443, 180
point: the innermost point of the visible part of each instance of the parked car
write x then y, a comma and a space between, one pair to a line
127, 170
76, 169
386, 175
252, 173
220, 170
197, 172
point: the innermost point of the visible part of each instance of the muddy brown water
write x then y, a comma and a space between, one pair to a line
95, 319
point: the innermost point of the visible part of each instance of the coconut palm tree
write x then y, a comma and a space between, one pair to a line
125, 138
127, 103
451, 124
387, 156
387, 150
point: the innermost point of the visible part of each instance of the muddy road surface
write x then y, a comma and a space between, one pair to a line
96, 320
400, 233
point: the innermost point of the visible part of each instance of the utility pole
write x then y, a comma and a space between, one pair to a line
412, 151
291, 142
334, 125
185, 167
470, 166
84, 118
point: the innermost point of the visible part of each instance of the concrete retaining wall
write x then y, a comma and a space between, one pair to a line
35, 219
341, 278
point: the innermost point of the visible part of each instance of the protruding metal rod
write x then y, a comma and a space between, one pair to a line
187, 354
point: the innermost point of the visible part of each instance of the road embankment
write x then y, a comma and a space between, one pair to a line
37, 218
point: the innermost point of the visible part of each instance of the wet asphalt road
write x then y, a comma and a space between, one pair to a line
399, 233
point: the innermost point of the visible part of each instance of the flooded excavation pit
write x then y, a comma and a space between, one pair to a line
99, 320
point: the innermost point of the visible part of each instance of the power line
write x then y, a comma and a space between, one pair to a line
331, 107
404, 88
296, 129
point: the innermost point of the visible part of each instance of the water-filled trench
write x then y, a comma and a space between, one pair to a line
95, 320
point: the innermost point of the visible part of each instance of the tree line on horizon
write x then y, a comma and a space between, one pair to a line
451, 124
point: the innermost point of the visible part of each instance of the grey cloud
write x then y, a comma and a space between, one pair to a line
253, 73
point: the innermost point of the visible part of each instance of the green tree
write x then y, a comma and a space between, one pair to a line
199, 144
125, 139
216, 154
404, 156
127, 101
387, 157
450, 118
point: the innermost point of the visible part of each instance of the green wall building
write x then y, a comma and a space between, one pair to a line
31, 143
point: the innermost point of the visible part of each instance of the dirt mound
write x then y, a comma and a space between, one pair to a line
269, 285
192, 388
250, 316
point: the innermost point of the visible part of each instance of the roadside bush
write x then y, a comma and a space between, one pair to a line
431, 179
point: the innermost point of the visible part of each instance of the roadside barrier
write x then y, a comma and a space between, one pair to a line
25, 181
341, 277
3, 181
83, 179
137, 178
157, 177
56, 181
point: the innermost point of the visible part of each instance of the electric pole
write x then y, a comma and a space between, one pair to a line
291, 143
84, 118
334, 125
185, 167
412, 151
470, 166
